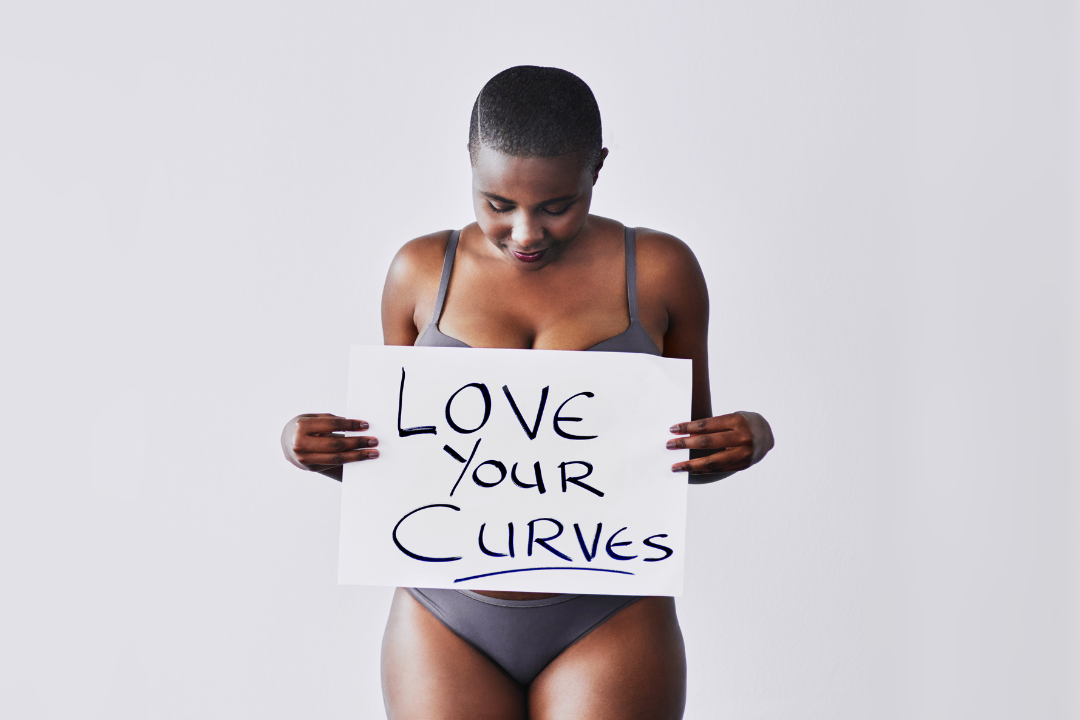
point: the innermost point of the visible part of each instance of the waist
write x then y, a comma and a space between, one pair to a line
505, 595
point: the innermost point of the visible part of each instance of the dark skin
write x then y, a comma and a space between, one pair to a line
538, 271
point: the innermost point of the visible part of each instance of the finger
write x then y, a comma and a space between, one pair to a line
731, 421
332, 443
712, 441
328, 424
310, 459
724, 461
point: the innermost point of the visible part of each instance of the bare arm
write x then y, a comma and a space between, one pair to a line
722, 445
314, 441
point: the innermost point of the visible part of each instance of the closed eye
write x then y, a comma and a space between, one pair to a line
558, 211
498, 209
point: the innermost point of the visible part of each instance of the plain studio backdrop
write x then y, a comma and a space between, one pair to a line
198, 205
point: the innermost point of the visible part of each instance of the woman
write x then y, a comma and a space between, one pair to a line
536, 270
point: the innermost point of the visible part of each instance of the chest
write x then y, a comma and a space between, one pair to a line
572, 309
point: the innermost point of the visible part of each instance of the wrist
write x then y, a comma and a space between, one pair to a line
760, 432
288, 440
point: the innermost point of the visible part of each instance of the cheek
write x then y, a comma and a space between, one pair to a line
566, 226
492, 225
570, 224
485, 218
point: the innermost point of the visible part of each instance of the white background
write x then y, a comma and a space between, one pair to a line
198, 203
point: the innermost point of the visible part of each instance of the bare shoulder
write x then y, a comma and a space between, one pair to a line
419, 259
668, 270
411, 285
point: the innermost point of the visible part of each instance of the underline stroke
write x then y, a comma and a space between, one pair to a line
504, 572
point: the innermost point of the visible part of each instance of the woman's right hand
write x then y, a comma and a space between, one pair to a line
310, 442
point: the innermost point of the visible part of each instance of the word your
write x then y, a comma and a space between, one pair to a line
497, 473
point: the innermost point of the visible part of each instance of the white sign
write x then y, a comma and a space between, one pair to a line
525, 470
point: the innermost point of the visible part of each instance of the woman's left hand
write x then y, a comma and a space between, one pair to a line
730, 443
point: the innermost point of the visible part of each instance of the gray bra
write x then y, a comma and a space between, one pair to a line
632, 339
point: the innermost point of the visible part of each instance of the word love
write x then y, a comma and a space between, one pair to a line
485, 394
572, 472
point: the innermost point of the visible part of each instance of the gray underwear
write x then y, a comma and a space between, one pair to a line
520, 636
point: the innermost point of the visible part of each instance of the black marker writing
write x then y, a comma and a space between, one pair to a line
581, 541
576, 479
667, 550
558, 419
539, 484
509, 541
406, 432
543, 542
454, 454
494, 464
411, 554
531, 432
611, 543
487, 408
483, 548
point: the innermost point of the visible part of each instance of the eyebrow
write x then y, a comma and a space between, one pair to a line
499, 198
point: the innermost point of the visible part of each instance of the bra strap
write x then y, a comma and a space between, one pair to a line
444, 281
629, 235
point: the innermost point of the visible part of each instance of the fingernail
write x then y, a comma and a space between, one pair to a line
363, 425
372, 442
672, 444
373, 454
677, 468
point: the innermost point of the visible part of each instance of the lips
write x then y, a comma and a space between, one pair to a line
529, 257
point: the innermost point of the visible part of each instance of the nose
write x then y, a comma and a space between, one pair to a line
526, 231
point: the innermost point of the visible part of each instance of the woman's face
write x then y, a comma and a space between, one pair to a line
531, 208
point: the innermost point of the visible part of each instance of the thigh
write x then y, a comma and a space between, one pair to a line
429, 673
633, 667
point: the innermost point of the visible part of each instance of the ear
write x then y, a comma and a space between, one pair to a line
599, 164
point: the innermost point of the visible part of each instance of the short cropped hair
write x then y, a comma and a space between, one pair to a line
530, 111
